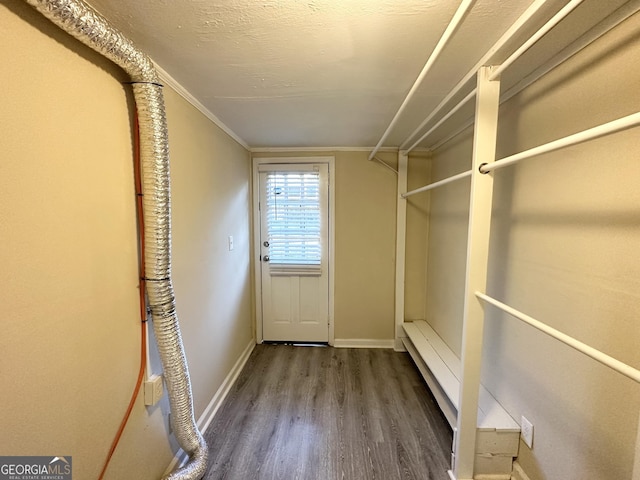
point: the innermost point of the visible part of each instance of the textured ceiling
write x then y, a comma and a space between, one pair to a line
320, 73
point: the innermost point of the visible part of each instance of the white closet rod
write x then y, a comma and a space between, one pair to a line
586, 39
453, 24
594, 353
499, 69
506, 37
460, 104
453, 135
568, 8
438, 183
613, 20
595, 132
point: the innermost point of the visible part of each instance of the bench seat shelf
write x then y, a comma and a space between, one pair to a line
497, 437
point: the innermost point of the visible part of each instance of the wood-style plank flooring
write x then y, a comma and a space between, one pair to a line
319, 413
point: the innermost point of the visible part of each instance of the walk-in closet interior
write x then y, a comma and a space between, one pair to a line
460, 180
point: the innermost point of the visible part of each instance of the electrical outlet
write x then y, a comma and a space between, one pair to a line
153, 390
526, 431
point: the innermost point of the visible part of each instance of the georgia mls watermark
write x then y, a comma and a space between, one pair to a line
35, 468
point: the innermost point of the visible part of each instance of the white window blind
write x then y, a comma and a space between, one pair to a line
293, 221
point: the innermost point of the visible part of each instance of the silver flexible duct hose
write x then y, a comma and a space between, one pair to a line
81, 21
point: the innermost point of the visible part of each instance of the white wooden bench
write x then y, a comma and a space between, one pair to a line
498, 433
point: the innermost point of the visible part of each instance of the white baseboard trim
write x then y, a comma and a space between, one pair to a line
522, 476
518, 472
452, 476
362, 343
215, 403
398, 345
209, 413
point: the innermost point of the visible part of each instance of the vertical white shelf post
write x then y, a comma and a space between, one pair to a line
401, 233
484, 151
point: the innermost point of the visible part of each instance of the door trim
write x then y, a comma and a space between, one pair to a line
256, 162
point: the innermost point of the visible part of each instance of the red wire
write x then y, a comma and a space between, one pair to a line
143, 303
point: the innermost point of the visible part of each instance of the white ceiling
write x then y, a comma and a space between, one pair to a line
325, 73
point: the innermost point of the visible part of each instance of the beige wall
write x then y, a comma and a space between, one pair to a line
418, 207
365, 247
447, 244
211, 201
70, 346
564, 243
562, 250
365, 222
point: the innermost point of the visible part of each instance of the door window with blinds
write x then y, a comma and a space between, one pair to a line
294, 228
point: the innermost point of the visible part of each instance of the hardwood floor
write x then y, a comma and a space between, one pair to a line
319, 413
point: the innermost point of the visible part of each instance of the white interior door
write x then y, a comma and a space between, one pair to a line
294, 224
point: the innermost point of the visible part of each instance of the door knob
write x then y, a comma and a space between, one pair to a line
265, 258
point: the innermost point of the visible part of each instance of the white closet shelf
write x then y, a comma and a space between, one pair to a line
444, 368
497, 434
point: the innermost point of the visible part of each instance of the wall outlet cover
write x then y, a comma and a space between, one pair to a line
153, 390
526, 431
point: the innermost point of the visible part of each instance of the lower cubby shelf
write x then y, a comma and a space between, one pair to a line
497, 437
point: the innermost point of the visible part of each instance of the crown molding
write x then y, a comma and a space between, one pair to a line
184, 93
320, 149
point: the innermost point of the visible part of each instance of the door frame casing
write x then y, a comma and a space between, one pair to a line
256, 162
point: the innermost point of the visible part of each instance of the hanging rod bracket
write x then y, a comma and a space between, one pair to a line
375, 157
